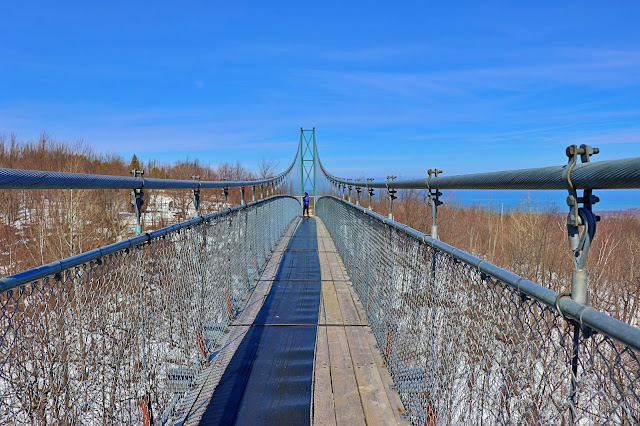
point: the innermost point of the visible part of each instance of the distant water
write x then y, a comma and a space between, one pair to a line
610, 199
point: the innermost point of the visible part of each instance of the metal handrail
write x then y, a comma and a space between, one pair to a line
37, 179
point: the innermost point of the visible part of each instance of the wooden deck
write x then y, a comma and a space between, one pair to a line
351, 384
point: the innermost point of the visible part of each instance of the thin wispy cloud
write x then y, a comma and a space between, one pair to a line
620, 136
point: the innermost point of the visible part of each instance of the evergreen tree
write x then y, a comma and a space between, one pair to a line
135, 164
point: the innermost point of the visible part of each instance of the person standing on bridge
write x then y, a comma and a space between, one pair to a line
305, 204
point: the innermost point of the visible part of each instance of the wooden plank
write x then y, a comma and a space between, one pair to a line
321, 244
322, 319
197, 401
362, 314
348, 407
323, 408
255, 302
325, 267
333, 314
392, 395
292, 227
347, 306
376, 399
375, 402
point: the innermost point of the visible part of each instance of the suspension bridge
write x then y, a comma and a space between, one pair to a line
254, 314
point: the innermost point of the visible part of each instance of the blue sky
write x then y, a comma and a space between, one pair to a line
391, 87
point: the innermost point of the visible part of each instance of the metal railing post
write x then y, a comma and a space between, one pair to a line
253, 192
579, 244
196, 197
434, 202
225, 192
138, 200
392, 195
242, 195
370, 191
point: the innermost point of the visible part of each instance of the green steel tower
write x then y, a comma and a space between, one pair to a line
308, 161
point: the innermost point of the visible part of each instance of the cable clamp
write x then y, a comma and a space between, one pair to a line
196, 196
579, 216
392, 192
434, 194
369, 189
585, 152
558, 297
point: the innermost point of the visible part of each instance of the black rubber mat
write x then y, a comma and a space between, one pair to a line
269, 378
304, 242
299, 265
291, 302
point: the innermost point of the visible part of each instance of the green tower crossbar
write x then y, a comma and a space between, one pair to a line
308, 160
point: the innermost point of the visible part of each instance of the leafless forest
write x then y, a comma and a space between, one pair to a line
39, 226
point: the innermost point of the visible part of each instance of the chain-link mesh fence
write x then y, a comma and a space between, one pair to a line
116, 338
465, 347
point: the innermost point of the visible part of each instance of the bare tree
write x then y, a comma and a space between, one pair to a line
267, 168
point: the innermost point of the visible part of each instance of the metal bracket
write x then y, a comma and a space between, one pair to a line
348, 187
392, 195
580, 217
225, 192
196, 197
138, 200
434, 202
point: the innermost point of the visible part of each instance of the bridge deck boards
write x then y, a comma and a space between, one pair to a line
351, 384
359, 382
